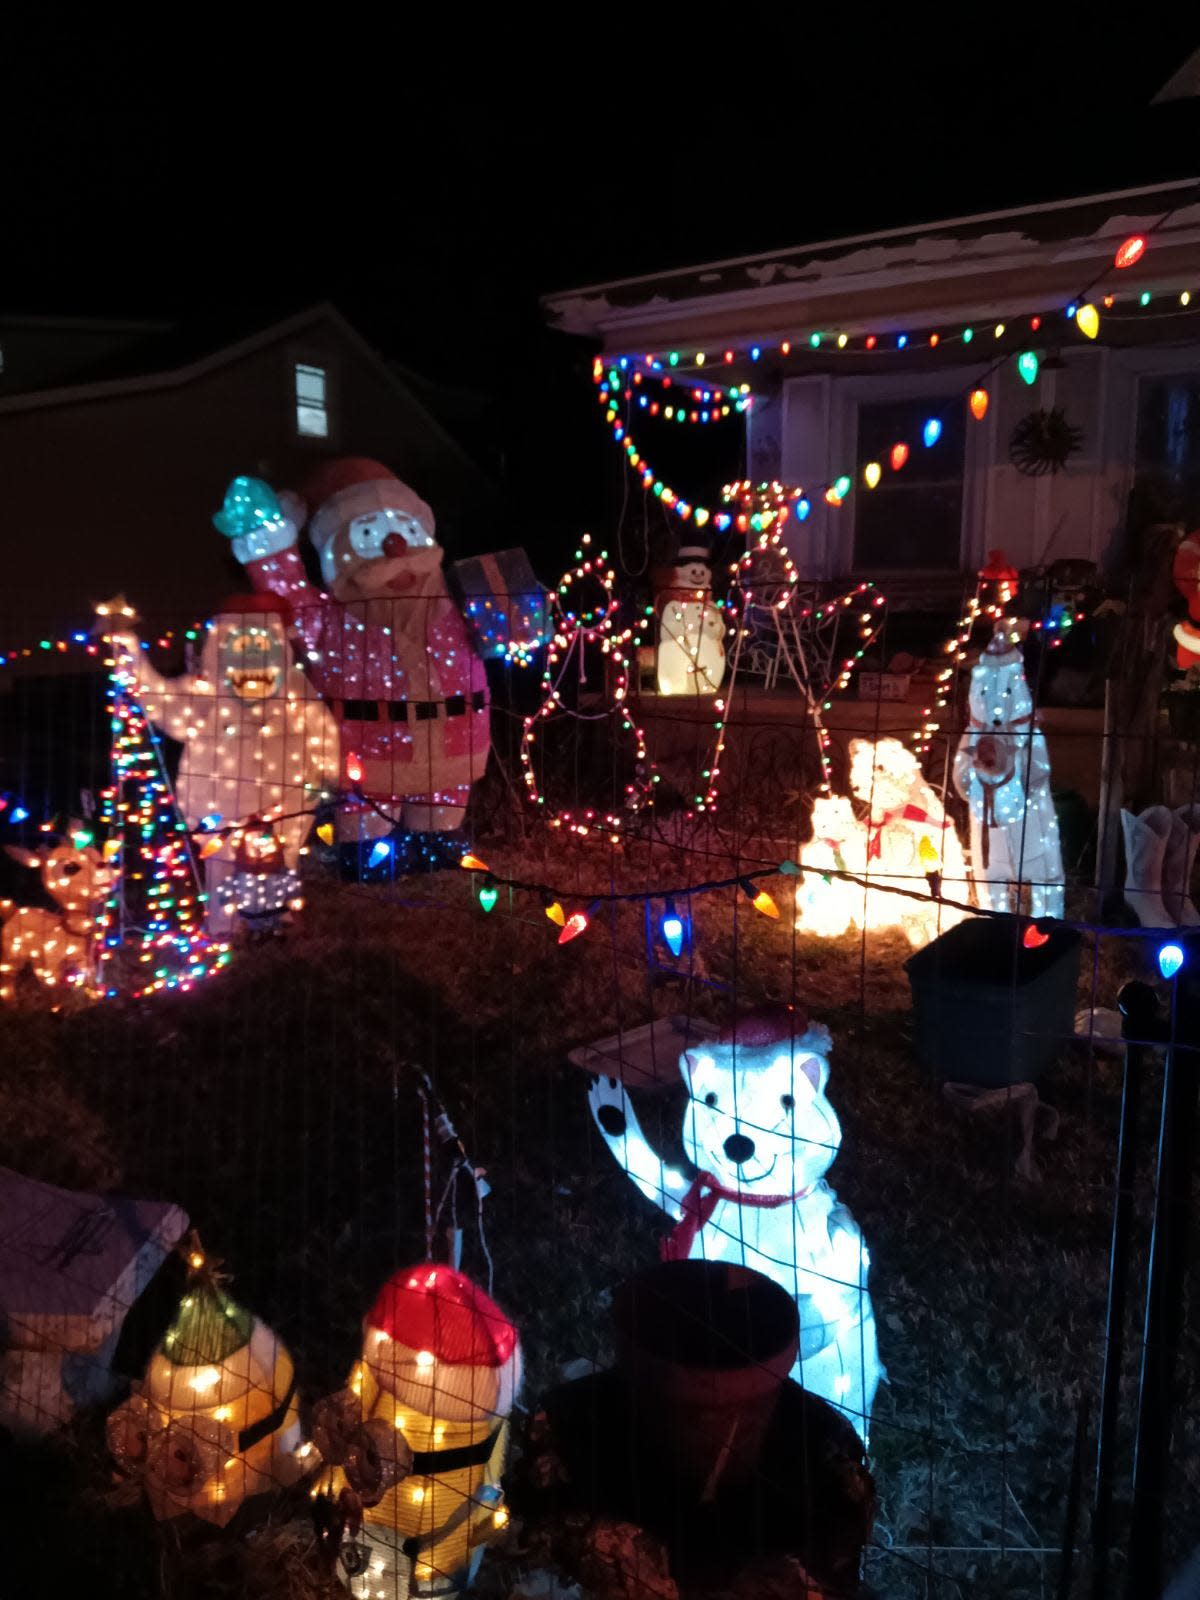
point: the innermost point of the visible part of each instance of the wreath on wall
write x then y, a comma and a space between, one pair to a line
1043, 442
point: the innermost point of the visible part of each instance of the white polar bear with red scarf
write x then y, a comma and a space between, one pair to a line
761, 1135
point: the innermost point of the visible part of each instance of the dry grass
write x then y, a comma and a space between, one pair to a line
278, 1105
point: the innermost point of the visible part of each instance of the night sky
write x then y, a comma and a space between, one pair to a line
433, 198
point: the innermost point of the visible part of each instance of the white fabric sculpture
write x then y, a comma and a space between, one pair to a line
691, 627
762, 1135
907, 837
1002, 771
257, 740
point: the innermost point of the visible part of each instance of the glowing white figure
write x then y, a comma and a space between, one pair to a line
907, 837
762, 1135
691, 628
1002, 771
57, 945
257, 740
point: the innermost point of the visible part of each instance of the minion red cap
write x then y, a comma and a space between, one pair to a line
432, 1307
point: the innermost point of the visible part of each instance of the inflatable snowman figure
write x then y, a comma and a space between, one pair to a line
387, 647
761, 1135
1002, 771
257, 739
691, 627
415, 1445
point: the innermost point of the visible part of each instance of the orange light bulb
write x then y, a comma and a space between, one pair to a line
979, 404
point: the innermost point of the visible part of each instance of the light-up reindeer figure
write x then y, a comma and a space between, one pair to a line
56, 945
761, 1134
1002, 771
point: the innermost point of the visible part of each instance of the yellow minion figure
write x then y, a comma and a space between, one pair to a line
439, 1372
215, 1419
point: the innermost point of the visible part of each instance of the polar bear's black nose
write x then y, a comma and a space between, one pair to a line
738, 1148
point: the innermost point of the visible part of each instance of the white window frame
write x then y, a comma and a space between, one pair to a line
302, 405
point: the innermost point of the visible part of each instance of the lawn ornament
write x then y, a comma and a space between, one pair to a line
415, 1445
1002, 771
761, 1134
55, 945
387, 646
691, 627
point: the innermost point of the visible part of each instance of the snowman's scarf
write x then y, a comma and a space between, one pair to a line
698, 1205
909, 813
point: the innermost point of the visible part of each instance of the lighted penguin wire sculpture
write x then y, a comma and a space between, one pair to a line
1002, 770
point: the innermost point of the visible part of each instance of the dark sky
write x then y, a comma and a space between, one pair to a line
433, 195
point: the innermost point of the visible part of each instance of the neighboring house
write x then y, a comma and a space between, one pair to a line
117, 442
797, 323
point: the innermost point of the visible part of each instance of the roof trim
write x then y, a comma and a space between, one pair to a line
912, 231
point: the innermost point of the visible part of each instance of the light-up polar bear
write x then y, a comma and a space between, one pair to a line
762, 1135
1002, 771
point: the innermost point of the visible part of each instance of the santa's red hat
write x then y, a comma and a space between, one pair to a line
777, 1024
350, 487
435, 1308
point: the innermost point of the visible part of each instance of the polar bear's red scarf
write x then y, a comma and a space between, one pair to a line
698, 1205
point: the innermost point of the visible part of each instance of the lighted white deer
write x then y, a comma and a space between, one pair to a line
56, 945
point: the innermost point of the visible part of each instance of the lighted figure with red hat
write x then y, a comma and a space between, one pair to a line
257, 740
440, 1369
262, 888
761, 1135
387, 646
1002, 770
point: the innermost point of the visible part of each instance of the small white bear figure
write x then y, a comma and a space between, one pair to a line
1002, 771
762, 1135
908, 836
691, 627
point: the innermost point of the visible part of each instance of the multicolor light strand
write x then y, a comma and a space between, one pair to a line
572, 631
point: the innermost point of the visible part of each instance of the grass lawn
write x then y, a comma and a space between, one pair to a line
278, 1105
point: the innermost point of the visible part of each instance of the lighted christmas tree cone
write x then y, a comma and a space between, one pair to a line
215, 1420
441, 1366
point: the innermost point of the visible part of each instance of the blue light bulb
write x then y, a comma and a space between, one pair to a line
1170, 959
672, 929
932, 433
803, 507
380, 851
901, 341
20, 814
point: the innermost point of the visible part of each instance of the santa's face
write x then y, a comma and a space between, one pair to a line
252, 658
383, 552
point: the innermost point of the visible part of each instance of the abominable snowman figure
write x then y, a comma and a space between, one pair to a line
1002, 771
257, 740
691, 627
387, 647
762, 1135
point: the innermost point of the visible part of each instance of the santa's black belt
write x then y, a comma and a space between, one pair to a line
454, 705
427, 1463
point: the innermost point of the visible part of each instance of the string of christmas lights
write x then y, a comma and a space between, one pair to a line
155, 909
572, 631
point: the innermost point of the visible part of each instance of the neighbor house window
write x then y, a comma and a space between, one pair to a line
913, 521
312, 414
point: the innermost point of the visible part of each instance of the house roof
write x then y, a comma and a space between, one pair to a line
959, 266
188, 352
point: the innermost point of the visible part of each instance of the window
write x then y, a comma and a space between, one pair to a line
913, 521
1168, 445
312, 415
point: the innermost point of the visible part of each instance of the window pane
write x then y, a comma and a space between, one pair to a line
312, 420
310, 383
913, 520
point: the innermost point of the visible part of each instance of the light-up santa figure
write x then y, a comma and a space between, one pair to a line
257, 739
691, 627
440, 1370
387, 646
1002, 771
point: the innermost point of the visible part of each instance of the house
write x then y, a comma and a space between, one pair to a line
851, 346
117, 441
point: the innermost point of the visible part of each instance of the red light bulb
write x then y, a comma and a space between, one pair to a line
1132, 250
899, 455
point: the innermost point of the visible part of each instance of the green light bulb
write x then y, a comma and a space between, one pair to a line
488, 895
1027, 366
